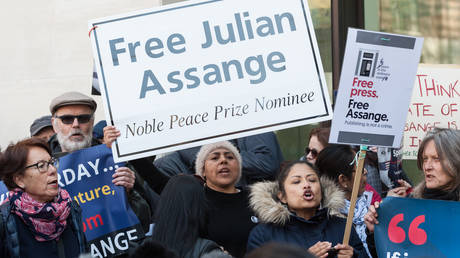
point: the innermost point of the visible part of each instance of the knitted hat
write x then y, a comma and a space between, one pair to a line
208, 148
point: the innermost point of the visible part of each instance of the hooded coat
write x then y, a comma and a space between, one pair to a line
278, 224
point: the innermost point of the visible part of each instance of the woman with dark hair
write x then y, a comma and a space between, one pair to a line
338, 163
302, 210
319, 139
39, 219
230, 218
181, 218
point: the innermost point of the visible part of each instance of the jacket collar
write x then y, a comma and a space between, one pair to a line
264, 201
418, 191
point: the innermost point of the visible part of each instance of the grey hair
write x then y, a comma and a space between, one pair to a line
447, 143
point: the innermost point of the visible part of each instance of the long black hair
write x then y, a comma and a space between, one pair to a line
181, 214
336, 159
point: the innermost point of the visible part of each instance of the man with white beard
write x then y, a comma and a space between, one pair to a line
73, 120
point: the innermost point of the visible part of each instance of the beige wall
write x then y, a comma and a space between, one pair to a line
45, 51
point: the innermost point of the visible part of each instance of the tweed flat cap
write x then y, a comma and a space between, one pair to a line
72, 98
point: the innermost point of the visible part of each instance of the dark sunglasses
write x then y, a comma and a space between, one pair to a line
314, 152
69, 119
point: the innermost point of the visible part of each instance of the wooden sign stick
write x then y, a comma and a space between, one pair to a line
354, 193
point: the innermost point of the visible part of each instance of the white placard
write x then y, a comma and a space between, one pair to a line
378, 73
196, 72
435, 103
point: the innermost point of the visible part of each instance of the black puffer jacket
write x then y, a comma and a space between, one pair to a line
281, 225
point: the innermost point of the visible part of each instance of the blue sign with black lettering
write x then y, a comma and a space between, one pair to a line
417, 228
108, 220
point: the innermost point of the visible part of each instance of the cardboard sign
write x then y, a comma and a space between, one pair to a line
108, 221
378, 73
435, 103
226, 69
417, 228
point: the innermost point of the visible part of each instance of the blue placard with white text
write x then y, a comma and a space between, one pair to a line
417, 228
108, 220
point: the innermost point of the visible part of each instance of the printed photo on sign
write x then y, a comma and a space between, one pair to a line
374, 89
108, 221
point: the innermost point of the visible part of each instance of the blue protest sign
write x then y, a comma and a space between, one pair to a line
417, 228
108, 221
3, 191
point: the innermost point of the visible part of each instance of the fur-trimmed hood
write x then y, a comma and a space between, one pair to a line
264, 201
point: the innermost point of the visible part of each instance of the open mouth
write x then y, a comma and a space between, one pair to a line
53, 183
308, 195
224, 171
429, 176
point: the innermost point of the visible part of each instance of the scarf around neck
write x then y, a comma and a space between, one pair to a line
438, 194
47, 220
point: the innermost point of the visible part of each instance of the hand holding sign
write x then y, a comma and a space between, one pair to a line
108, 220
371, 216
344, 251
123, 176
110, 135
320, 249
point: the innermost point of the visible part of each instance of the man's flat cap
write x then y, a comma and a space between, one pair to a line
39, 124
72, 98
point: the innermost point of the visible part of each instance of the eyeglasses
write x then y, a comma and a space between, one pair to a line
43, 166
69, 119
314, 152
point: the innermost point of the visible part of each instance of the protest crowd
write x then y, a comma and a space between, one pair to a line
189, 162
235, 198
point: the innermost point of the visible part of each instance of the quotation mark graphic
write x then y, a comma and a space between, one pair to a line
396, 234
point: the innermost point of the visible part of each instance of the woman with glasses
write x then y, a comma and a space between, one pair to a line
319, 139
38, 219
